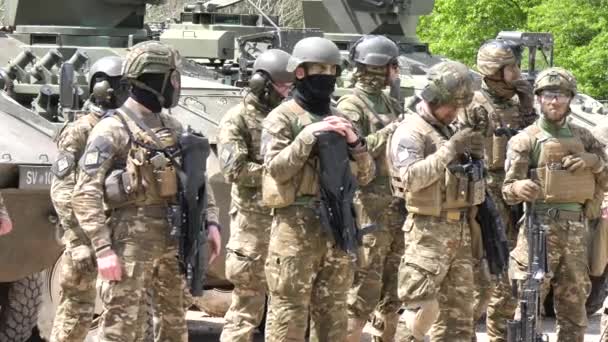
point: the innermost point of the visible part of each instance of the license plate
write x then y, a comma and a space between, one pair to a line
35, 177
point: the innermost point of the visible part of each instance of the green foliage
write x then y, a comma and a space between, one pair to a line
456, 28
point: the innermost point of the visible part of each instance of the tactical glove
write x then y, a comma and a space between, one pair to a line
581, 160
461, 140
477, 146
525, 189
524, 92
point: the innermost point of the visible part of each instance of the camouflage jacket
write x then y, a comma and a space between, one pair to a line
70, 145
107, 147
287, 149
375, 116
239, 149
523, 153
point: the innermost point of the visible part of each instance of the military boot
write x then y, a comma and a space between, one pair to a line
355, 329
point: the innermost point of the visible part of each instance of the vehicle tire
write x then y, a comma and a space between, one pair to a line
19, 303
214, 302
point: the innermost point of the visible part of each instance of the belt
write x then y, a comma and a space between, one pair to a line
566, 215
153, 211
454, 215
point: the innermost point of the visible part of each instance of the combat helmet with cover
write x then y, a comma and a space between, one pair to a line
156, 59
314, 50
495, 54
448, 83
555, 78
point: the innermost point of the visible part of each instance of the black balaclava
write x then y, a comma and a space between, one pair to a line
313, 93
147, 98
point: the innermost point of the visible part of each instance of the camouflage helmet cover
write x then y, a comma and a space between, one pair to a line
555, 79
448, 83
314, 50
493, 55
150, 57
111, 66
274, 63
374, 51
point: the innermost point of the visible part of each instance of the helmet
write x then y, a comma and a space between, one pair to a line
555, 79
494, 54
448, 82
110, 66
374, 50
155, 58
274, 63
314, 50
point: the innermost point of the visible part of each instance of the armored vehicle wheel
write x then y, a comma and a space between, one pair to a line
19, 303
214, 302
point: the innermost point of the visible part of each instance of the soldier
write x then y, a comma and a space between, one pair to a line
304, 269
242, 164
374, 115
6, 225
128, 167
502, 107
79, 272
436, 271
555, 164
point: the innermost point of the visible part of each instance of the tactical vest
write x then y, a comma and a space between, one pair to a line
452, 192
559, 185
500, 116
304, 186
149, 176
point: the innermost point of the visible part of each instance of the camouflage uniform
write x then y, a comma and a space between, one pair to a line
436, 270
375, 284
79, 270
3, 211
544, 144
137, 229
490, 112
239, 150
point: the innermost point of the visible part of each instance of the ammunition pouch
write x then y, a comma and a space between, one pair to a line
115, 185
497, 154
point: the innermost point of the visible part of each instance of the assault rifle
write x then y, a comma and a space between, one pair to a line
188, 218
526, 328
506, 131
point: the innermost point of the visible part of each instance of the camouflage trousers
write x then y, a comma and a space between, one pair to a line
568, 273
77, 296
149, 260
246, 254
375, 282
494, 296
436, 280
306, 275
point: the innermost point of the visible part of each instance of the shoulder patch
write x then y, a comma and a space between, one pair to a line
63, 165
96, 153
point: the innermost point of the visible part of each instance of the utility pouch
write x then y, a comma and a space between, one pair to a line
499, 152
115, 190
456, 190
275, 194
167, 181
563, 186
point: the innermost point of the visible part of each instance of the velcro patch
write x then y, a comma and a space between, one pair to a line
63, 165
97, 152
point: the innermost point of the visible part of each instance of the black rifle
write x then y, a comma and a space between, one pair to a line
188, 218
337, 187
527, 327
506, 131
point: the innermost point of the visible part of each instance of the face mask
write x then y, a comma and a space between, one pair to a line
313, 93
500, 88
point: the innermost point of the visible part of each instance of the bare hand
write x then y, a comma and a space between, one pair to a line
526, 189
6, 226
579, 161
335, 124
214, 238
108, 265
